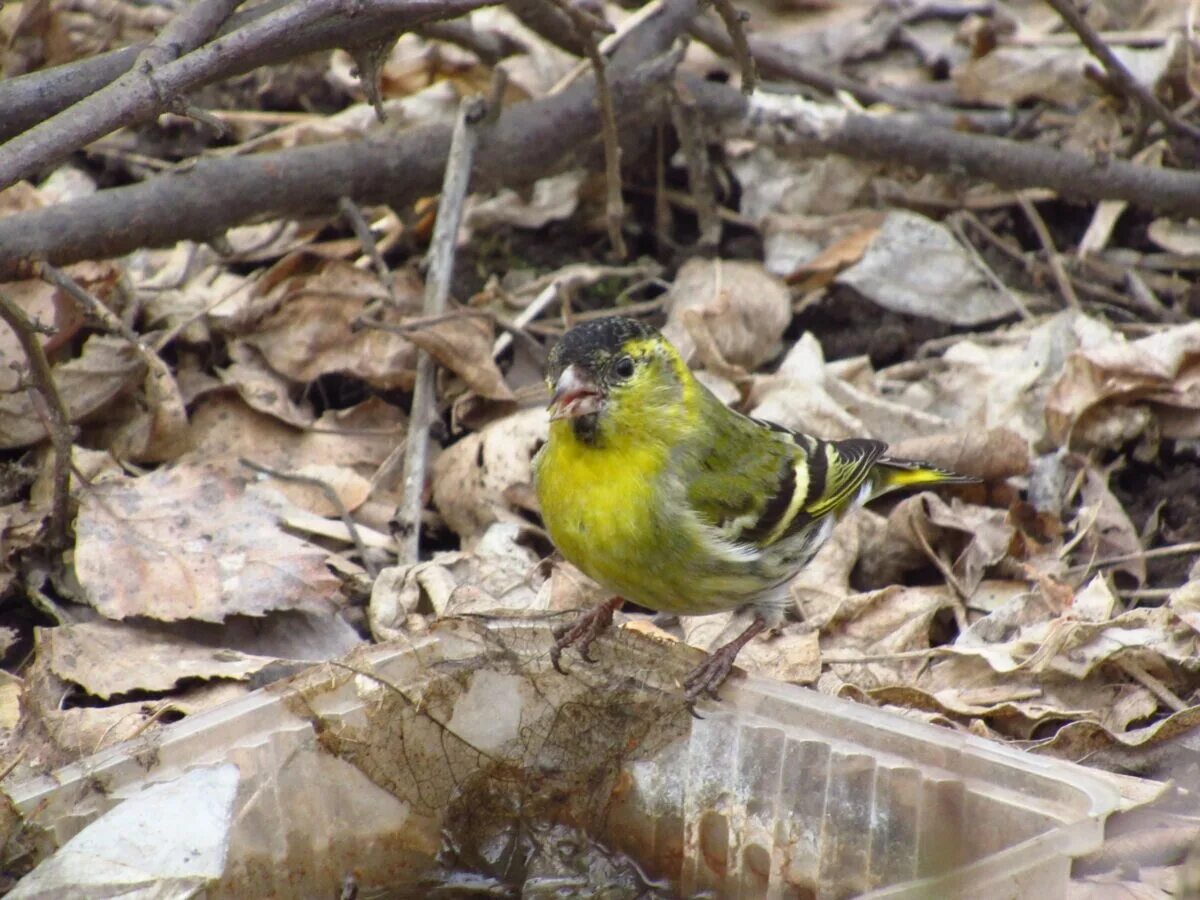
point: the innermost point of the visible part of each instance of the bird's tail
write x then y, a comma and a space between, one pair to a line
891, 474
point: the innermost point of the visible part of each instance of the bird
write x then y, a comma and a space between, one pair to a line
667, 497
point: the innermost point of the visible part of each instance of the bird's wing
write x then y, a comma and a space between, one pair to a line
758, 482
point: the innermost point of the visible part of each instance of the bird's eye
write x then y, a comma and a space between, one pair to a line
624, 367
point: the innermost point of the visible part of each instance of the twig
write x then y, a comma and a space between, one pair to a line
471, 113
489, 45
778, 62
614, 208
362, 231
1150, 683
1156, 553
734, 20
139, 95
955, 222
1118, 74
528, 141
691, 140
59, 428
332, 496
548, 295
1061, 278
50, 141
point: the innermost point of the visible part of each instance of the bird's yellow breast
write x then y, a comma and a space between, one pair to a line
598, 505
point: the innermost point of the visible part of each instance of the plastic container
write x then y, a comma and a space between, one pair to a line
444, 754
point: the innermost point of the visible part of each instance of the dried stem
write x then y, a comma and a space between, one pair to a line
614, 211
59, 428
362, 231
734, 20
690, 129
471, 113
1061, 278
1120, 76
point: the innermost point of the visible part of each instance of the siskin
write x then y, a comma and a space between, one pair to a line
665, 496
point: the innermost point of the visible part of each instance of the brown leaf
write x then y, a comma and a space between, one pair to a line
1108, 393
732, 309
106, 368
107, 658
191, 542
262, 388
991, 454
471, 477
463, 345
306, 323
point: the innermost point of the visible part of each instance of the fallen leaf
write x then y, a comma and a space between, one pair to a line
262, 388
463, 345
106, 368
727, 313
107, 658
192, 542
916, 267
471, 477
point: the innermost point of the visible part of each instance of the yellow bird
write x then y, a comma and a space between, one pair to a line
666, 497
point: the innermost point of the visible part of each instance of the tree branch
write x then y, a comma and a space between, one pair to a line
823, 128
143, 93
528, 141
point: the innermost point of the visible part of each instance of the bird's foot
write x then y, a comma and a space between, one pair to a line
583, 631
710, 674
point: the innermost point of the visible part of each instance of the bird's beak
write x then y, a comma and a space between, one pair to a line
575, 394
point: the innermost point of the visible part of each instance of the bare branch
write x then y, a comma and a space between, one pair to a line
814, 127
528, 141
140, 95
471, 113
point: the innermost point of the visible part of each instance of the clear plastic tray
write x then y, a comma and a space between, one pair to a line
465, 738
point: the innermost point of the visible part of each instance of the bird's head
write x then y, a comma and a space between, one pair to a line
616, 376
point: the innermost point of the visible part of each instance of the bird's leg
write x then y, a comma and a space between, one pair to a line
583, 631
707, 677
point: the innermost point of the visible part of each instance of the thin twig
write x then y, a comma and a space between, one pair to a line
689, 128
734, 21
1150, 683
1118, 74
955, 223
59, 428
334, 499
1061, 278
614, 208
362, 231
471, 113
529, 141
1156, 553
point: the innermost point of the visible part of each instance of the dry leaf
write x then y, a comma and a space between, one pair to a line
306, 323
263, 389
1109, 392
471, 477
106, 368
192, 542
726, 313
107, 658
463, 345
915, 266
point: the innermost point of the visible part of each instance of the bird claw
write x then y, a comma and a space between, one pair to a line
582, 632
709, 675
